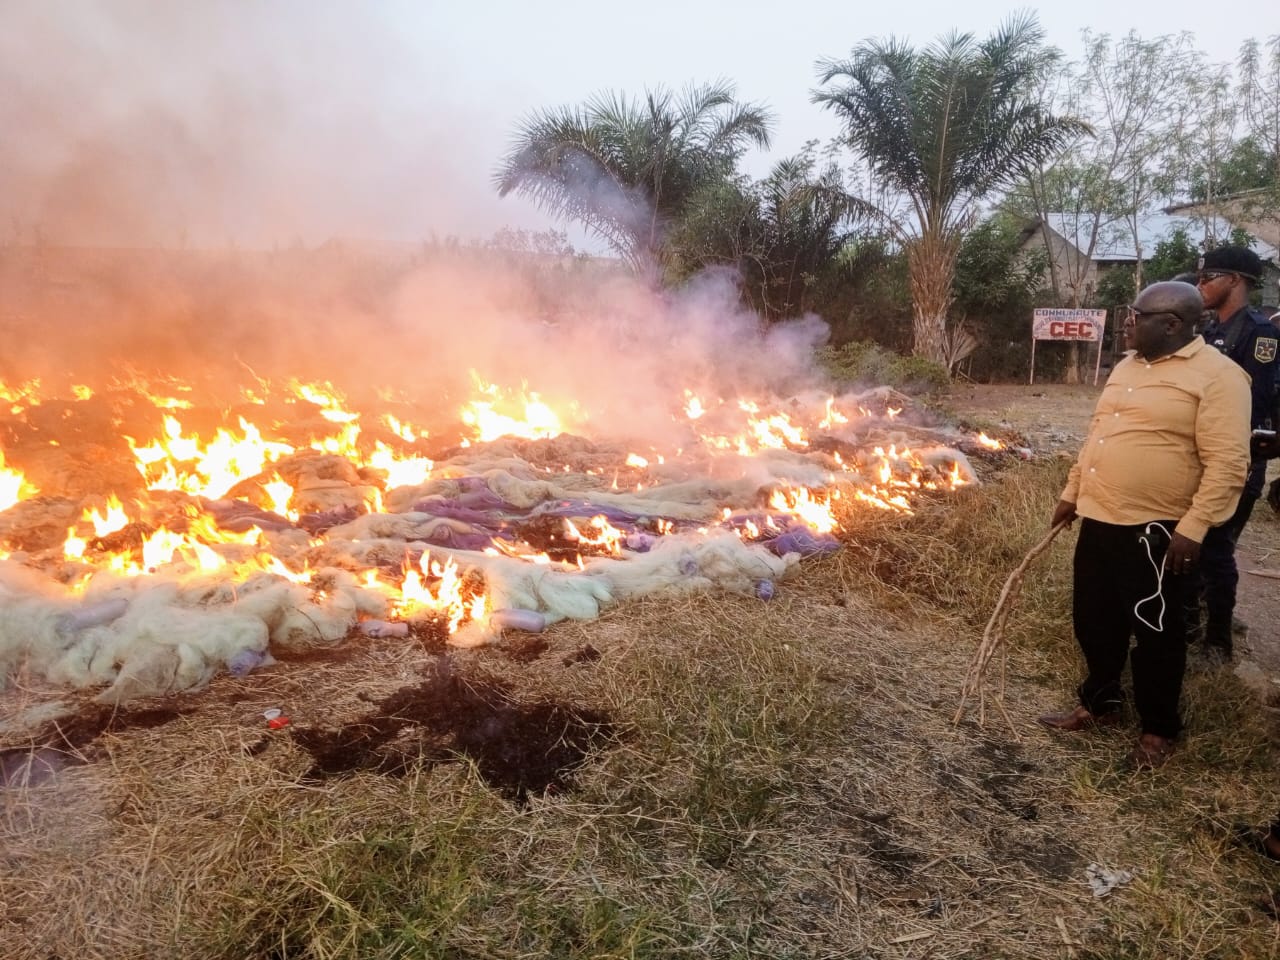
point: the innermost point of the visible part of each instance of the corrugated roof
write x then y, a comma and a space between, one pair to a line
1115, 238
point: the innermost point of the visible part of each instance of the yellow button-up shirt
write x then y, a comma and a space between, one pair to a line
1169, 440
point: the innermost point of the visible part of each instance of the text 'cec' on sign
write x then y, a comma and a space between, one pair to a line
1068, 324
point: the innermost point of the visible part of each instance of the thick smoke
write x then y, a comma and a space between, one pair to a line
222, 191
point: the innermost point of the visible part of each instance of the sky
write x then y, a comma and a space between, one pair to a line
262, 122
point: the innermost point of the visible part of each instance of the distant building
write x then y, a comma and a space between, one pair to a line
1253, 211
1067, 237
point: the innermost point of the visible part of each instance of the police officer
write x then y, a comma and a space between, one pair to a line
1225, 277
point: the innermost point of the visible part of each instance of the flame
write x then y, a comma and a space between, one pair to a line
777, 432
601, 534
21, 397
81, 392
693, 408
73, 548
833, 416
13, 485
280, 493
330, 401
401, 471
531, 418
404, 431
989, 443
814, 512
215, 468
114, 519
635, 460
344, 443
447, 599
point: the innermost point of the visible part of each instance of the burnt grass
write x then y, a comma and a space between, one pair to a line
71, 741
518, 748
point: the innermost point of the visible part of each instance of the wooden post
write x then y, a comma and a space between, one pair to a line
1097, 367
1033, 356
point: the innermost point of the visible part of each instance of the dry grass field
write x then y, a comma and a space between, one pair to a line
710, 776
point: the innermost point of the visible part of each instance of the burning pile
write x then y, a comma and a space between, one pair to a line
153, 533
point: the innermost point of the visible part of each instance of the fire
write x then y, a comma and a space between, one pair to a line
522, 415
833, 416
404, 431
447, 600
73, 548
330, 401
114, 519
280, 493
814, 512
401, 471
13, 485
175, 534
600, 533
213, 469
989, 443
693, 407
21, 397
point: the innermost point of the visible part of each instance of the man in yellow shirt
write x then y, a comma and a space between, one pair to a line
1165, 460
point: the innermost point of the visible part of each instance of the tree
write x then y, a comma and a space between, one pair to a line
1174, 254
626, 168
995, 288
1098, 188
1260, 97
944, 126
782, 234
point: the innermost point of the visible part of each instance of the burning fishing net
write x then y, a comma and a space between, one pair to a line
156, 530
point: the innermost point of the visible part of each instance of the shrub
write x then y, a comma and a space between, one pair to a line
868, 364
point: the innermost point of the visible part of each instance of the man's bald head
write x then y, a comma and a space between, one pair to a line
1181, 299
1163, 319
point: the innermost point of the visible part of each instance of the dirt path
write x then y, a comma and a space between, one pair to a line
1055, 418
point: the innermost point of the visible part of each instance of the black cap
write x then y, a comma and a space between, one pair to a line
1188, 277
1239, 260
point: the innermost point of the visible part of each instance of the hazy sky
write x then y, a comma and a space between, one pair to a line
267, 121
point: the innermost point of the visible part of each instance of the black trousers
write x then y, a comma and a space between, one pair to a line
1118, 595
1218, 576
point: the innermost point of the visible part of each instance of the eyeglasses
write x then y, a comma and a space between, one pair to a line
1208, 276
1133, 315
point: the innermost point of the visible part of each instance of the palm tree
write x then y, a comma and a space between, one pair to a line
782, 234
942, 127
625, 168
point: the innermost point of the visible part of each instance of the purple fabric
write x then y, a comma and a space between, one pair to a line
800, 539
585, 508
317, 523
240, 515
452, 510
446, 536
639, 542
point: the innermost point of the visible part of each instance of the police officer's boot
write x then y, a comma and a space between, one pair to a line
1217, 632
1194, 617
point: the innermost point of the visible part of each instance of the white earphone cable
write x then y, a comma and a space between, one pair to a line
1158, 626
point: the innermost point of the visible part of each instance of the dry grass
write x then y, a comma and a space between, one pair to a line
785, 782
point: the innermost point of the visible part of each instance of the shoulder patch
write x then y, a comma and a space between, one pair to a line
1264, 349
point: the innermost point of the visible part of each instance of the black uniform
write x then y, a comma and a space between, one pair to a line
1248, 338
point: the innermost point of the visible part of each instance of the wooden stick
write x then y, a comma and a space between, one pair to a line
993, 636
1269, 574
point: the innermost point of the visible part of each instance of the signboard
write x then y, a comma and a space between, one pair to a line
1068, 324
